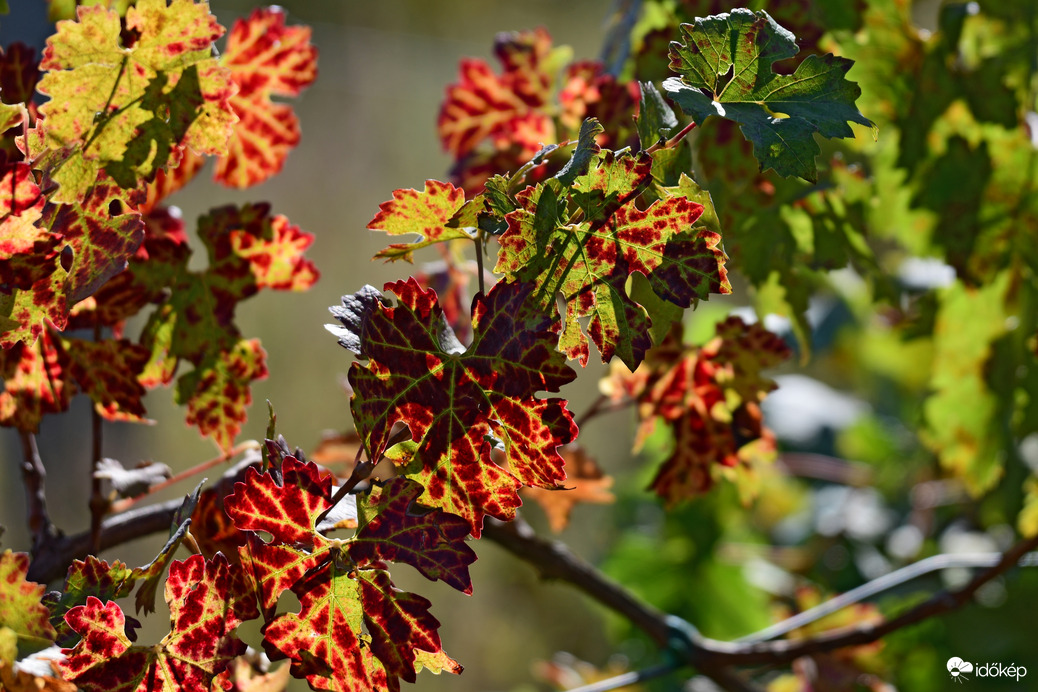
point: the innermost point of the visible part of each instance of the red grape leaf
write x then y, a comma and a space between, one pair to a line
107, 372
585, 482
207, 601
19, 72
21, 609
432, 541
161, 90
588, 91
89, 577
452, 399
709, 396
508, 106
353, 626
27, 250
217, 391
266, 58
584, 243
36, 382
425, 213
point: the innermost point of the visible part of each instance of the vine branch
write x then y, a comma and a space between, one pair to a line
34, 477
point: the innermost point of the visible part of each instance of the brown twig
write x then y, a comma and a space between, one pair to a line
603, 404
98, 503
125, 504
34, 477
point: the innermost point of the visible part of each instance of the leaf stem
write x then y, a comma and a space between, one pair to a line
479, 260
127, 503
673, 141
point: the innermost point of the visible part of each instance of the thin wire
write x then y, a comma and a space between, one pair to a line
880, 584
631, 678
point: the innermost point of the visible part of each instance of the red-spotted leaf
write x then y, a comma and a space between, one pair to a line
584, 242
709, 397
36, 382
430, 540
265, 58
217, 391
22, 613
89, 577
207, 601
508, 106
107, 371
156, 86
426, 214
454, 400
354, 630
27, 250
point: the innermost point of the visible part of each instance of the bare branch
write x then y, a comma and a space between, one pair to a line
34, 477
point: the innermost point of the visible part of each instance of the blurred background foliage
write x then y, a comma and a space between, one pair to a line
904, 278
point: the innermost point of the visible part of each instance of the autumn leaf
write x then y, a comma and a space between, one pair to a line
508, 106
744, 44
207, 602
354, 629
426, 214
709, 397
585, 241
24, 620
36, 382
157, 87
265, 58
454, 400
585, 482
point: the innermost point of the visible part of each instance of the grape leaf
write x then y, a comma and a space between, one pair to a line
584, 243
709, 397
426, 213
354, 627
585, 483
157, 85
265, 58
27, 250
23, 617
816, 98
217, 391
961, 411
484, 105
588, 91
452, 399
107, 371
35, 383
431, 541
207, 601
19, 72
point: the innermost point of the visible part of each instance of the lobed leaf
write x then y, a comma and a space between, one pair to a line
452, 399
24, 620
725, 63
265, 58
427, 214
207, 602
156, 87
584, 242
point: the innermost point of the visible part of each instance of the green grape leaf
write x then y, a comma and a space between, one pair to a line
159, 89
427, 213
455, 400
961, 411
265, 58
725, 63
584, 243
